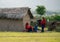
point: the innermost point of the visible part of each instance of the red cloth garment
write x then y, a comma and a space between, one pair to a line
43, 22
27, 26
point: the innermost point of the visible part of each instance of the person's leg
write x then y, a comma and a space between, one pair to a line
42, 28
30, 30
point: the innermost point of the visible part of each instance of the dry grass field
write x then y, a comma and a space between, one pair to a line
29, 37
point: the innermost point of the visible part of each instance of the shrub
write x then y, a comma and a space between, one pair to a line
57, 18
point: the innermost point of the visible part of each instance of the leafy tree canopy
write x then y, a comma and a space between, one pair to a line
40, 10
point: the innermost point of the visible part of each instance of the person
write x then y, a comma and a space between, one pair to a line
35, 28
28, 27
39, 22
43, 22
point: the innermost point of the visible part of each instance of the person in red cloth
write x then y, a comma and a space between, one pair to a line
43, 22
28, 27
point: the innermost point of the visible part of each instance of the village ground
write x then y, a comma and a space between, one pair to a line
29, 37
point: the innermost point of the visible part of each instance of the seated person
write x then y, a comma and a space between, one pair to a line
28, 27
35, 28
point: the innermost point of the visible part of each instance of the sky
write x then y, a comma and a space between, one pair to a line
52, 5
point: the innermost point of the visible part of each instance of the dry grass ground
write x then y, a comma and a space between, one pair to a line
29, 37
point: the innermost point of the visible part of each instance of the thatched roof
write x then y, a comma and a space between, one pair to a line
15, 12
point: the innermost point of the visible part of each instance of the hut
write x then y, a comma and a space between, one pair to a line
14, 19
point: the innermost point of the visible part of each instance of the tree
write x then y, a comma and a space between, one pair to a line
40, 10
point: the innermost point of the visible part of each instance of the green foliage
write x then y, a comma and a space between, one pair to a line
50, 18
54, 18
32, 23
40, 10
57, 17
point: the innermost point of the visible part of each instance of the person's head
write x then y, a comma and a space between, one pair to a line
27, 23
36, 23
43, 18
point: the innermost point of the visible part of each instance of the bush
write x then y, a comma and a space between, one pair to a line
57, 18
